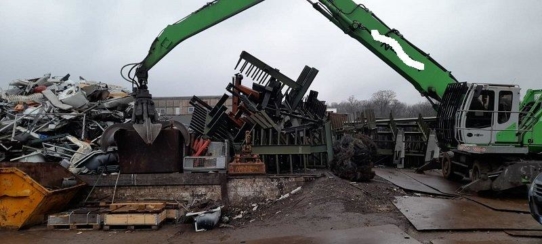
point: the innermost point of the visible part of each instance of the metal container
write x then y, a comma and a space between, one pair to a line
165, 155
77, 217
217, 149
30, 191
205, 164
215, 160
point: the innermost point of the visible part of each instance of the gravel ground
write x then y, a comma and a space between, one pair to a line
327, 203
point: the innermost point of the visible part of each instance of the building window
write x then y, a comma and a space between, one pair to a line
177, 111
161, 111
190, 110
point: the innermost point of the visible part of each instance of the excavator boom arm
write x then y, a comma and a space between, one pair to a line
207, 16
427, 76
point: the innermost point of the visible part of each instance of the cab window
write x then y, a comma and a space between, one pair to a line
505, 106
481, 109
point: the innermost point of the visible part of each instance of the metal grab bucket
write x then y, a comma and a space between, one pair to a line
31, 191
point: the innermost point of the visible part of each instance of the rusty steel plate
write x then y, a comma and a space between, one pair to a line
523, 241
404, 181
165, 155
511, 205
524, 233
368, 235
435, 181
246, 168
460, 214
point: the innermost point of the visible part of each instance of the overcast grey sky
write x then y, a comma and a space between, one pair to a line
489, 41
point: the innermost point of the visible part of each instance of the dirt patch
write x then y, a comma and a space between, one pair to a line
328, 194
322, 205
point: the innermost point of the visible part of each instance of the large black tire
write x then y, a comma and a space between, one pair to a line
479, 170
448, 168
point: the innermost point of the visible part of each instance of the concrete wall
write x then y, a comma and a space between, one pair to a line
186, 187
242, 191
166, 187
182, 193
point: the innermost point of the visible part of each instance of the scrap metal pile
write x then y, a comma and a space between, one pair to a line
274, 110
56, 119
290, 129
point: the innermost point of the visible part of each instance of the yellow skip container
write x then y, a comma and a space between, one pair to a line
31, 191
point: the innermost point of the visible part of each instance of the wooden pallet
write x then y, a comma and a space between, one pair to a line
132, 220
75, 227
174, 215
142, 207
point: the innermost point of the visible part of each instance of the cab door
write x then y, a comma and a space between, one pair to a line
477, 116
506, 117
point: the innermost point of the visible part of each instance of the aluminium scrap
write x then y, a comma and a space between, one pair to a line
53, 118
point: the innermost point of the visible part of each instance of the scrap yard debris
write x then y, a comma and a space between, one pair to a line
287, 126
354, 158
55, 119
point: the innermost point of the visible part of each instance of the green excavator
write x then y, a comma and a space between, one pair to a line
484, 131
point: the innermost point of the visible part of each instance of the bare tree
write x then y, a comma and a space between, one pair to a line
353, 107
383, 103
398, 109
423, 108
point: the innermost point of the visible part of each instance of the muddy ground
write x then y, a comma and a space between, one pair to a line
327, 203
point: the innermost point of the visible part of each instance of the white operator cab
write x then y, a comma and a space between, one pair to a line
487, 109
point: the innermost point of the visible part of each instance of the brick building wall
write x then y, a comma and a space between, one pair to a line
171, 106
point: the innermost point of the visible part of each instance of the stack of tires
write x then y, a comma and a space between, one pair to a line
353, 158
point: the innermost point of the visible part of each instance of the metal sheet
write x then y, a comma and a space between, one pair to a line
165, 155
523, 241
525, 233
512, 205
435, 181
367, 235
401, 180
460, 214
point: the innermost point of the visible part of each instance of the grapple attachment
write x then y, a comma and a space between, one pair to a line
148, 131
162, 145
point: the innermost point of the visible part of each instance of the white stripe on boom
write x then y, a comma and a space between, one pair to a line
398, 49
